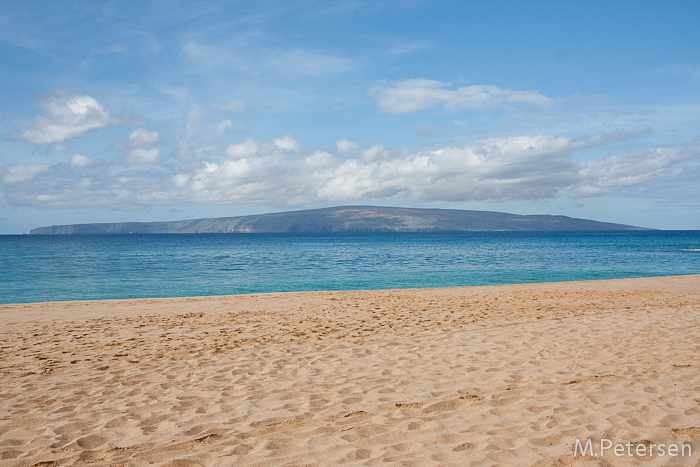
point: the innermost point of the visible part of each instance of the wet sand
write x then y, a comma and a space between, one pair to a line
482, 376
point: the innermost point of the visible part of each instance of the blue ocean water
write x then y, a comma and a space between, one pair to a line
49, 268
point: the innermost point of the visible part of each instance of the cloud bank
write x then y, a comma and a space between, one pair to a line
282, 171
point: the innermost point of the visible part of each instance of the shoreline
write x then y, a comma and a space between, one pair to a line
485, 375
294, 292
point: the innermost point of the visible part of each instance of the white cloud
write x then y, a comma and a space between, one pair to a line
414, 95
246, 149
345, 146
23, 173
225, 126
81, 161
141, 148
620, 172
141, 138
281, 171
372, 152
143, 156
497, 169
287, 143
70, 116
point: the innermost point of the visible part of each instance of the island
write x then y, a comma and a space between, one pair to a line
348, 219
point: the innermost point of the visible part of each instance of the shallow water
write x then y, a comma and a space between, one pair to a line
47, 268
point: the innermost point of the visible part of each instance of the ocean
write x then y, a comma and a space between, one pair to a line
36, 268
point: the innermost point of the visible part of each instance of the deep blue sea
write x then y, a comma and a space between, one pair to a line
47, 268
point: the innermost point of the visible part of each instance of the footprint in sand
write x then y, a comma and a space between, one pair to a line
404, 447
362, 454
91, 442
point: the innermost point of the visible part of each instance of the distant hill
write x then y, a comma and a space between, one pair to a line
348, 219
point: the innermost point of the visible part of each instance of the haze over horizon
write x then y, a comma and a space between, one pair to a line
166, 110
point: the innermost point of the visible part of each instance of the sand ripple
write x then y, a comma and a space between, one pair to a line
507, 375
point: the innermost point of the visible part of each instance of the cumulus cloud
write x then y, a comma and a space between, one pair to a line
288, 144
23, 173
345, 146
142, 138
141, 148
414, 95
80, 161
620, 172
242, 150
252, 169
281, 171
496, 169
70, 116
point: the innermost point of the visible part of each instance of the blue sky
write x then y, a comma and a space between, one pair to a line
164, 110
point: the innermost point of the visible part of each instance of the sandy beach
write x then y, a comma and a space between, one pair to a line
522, 375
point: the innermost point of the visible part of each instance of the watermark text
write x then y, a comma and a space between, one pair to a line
637, 449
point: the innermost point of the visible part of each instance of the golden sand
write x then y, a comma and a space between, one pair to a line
503, 375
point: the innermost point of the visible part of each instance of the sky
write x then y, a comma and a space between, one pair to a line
122, 110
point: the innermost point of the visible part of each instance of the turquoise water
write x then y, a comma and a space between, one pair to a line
48, 268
